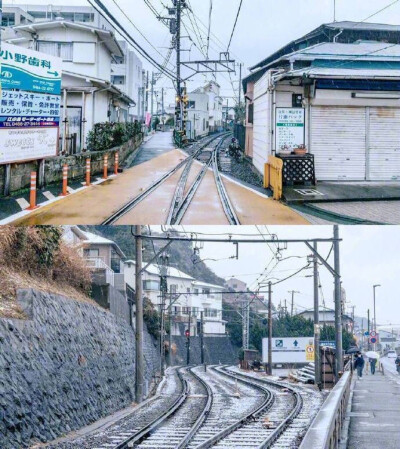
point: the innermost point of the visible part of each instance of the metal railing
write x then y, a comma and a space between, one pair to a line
326, 429
97, 263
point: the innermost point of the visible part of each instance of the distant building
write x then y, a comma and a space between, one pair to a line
198, 115
326, 317
186, 295
237, 285
335, 90
215, 101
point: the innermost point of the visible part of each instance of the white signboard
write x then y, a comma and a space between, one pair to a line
288, 350
29, 104
26, 144
290, 127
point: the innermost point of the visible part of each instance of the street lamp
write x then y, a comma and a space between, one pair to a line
374, 287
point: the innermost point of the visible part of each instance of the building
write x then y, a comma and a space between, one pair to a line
326, 317
215, 101
127, 75
186, 294
88, 95
336, 91
197, 124
14, 15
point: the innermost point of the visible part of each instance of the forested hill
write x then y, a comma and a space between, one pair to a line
181, 253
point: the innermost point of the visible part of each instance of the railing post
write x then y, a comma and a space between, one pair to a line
32, 198
116, 163
64, 180
88, 172
105, 167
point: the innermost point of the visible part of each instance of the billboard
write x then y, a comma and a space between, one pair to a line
25, 69
17, 145
289, 350
290, 127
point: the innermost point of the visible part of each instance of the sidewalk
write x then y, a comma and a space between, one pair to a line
375, 413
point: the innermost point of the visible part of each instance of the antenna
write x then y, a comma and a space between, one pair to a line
334, 10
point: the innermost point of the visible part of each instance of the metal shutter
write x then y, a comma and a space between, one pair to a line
384, 144
338, 142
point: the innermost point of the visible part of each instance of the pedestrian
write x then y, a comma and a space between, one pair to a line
359, 365
397, 362
372, 363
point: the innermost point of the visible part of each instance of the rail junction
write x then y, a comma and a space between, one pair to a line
218, 407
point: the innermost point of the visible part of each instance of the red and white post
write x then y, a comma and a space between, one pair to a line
116, 163
88, 171
32, 202
105, 167
65, 180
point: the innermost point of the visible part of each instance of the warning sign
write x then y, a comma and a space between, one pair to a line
310, 353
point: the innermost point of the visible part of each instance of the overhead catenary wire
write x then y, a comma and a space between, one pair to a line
234, 26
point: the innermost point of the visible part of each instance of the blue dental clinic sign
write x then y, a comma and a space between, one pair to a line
29, 104
30, 70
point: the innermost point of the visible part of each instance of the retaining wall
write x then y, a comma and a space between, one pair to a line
66, 366
20, 172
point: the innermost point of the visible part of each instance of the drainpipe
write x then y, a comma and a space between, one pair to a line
65, 120
83, 121
337, 35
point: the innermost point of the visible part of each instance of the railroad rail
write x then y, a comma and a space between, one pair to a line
139, 198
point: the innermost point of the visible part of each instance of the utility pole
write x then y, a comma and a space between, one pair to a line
317, 330
147, 91
240, 88
178, 108
338, 304
188, 340
202, 337
369, 344
270, 328
374, 287
352, 317
139, 318
163, 290
162, 109
292, 303
170, 332
245, 323
152, 98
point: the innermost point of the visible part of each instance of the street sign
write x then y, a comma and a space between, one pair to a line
310, 353
373, 339
366, 333
26, 69
29, 104
329, 343
372, 334
288, 350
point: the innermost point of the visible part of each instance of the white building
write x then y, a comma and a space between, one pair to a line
214, 105
198, 115
186, 295
127, 74
336, 91
88, 95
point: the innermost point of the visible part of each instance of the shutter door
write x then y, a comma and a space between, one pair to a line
338, 142
384, 144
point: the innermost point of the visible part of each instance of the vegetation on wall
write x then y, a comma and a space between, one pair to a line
152, 318
108, 135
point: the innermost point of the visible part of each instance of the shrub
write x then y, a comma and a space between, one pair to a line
107, 135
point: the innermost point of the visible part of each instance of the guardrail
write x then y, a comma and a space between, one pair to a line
273, 177
326, 429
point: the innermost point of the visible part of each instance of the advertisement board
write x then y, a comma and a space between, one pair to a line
290, 127
21, 144
26, 69
289, 350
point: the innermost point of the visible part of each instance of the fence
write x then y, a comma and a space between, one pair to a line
326, 430
273, 176
240, 134
97, 263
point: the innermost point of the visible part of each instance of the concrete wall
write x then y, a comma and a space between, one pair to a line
20, 173
66, 366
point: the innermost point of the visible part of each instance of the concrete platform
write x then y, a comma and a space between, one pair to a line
326, 192
375, 413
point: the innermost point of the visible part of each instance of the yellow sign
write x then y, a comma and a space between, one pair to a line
310, 353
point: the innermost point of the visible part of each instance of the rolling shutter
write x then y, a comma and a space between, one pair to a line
338, 142
384, 144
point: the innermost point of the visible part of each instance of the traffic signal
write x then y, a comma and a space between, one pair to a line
187, 333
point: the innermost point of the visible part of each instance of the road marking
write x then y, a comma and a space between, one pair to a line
48, 195
23, 204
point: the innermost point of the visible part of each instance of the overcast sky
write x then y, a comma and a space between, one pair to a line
263, 26
369, 255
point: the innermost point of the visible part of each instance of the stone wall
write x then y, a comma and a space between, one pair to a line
67, 365
20, 173
216, 350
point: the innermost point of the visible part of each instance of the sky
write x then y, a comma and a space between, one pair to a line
263, 27
368, 255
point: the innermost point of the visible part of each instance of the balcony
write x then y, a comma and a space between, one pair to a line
98, 264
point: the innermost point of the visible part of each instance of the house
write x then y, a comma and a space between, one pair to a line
197, 124
336, 91
127, 73
215, 101
326, 317
88, 95
185, 295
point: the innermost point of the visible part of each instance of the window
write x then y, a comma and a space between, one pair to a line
118, 79
91, 252
151, 285
173, 288
8, 19
195, 311
196, 291
250, 117
191, 105
176, 310
188, 290
83, 17
204, 124
115, 261
206, 291
61, 49
211, 313
185, 310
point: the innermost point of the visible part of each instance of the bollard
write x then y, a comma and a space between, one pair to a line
116, 161
105, 166
64, 180
32, 201
88, 171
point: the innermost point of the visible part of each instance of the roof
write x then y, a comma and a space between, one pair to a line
347, 25
94, 239
172, 272
322, 311
106, 36
343, 73
205, 284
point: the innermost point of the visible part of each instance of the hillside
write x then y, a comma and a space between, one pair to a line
180, 252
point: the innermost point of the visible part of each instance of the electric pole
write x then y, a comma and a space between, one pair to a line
178, 109
240, 90
163, 290
338, 304
147, 91
369, 344
292, 303
152, 98
270, 328
188, 340
162, 109
317, 330
139, 318
202, 337
245, 323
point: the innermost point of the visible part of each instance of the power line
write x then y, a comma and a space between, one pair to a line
234, 26
209, 26
376, 13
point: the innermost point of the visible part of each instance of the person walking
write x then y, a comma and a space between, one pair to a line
372, 363
359, 365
